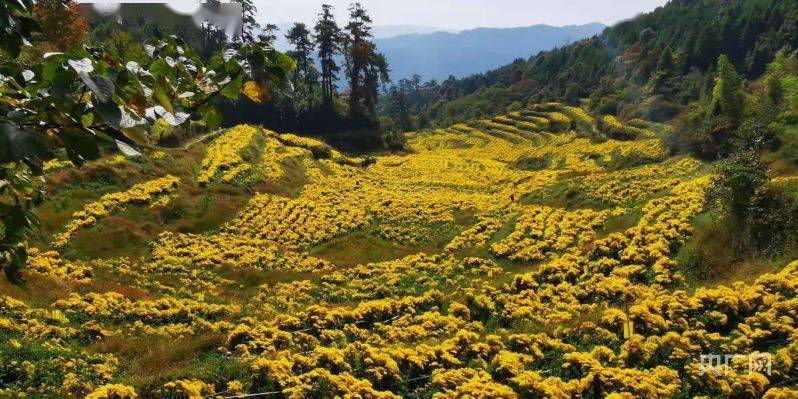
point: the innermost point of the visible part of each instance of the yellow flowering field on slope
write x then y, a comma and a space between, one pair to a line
461, 269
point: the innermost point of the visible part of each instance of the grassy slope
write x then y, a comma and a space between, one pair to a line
149, 361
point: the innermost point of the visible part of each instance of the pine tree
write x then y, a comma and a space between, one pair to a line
357, 52
268, 33
399, 109
248, 23
328, 41
305, 77
665, 63
375, 74
727, 99
365, 67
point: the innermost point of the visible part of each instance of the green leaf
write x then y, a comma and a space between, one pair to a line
110, 113
137, 135
63, 82
16, 144
7, 132
102, 87
216, 61
87, 119
282, 60
232, 66
81, 147
176, 119
19, 259
162, 94
130, 120
10, 46
211, 116
128, 150
48, 73
160, 113
82, 65
256, 60
160, 68
233, 89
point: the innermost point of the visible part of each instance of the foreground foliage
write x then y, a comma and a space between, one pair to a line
84, 99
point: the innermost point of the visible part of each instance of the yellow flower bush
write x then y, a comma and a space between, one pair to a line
558, 122
227, 249
784, 180
113, 391
569, 152
614, 128
314, 145
488, 277
51, 264
781, 393
187, 389
636, 184
578, 114
542, 231
108, 204
225, 157
475, 236
55, 165
528, 122
167, 316
470, 384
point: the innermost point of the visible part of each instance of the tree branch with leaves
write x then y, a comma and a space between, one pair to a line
77, 100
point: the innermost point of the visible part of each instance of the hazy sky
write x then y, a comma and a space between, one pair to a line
466, 14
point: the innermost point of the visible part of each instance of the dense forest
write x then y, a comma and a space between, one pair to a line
650, 66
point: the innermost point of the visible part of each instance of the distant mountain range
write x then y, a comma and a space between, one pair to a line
432, 52
679, 43
436, 53
379, 32
440, 54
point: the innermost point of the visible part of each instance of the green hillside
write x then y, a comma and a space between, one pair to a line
489, 261
651, 66
627, 223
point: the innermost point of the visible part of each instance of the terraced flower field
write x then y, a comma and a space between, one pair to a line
526, 256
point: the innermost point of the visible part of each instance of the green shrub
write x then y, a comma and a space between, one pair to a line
394, 140
739, 179
772, 220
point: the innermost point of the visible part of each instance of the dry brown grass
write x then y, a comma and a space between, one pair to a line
102, 285
360, 248
147, 357
116, 236
782, 167
37, 289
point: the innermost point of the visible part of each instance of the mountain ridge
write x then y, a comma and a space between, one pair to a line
677, 45
440, 54
379, 31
